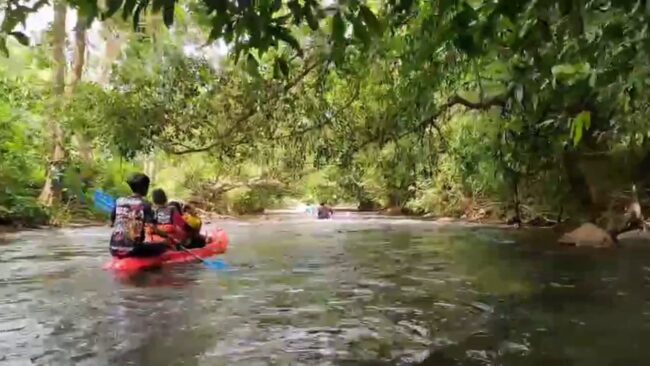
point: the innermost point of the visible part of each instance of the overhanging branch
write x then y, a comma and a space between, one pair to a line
252, 111
328, 120
496, 101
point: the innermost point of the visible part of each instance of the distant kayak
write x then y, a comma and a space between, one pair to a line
217, 243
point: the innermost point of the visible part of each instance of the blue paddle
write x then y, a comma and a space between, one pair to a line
104, 202
216, 264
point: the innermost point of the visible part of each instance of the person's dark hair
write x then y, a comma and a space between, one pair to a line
187, 207
139, 183
177, 205
322, 203
159, 196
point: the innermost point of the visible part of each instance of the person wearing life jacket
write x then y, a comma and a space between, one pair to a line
324, 211
169, 219
196, 240
131, 219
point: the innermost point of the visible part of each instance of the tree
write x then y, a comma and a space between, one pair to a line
51, 193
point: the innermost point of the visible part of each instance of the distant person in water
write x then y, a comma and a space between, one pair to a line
324, 211
169, 218
310, 209
131, 219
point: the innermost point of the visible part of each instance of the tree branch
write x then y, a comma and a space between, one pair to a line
496, 101
252, 111
328, 120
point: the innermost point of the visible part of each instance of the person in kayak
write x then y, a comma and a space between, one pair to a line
169, 219
324, 211
194, 222
131, 218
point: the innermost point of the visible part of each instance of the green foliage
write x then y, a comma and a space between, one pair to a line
324, 186
431, 106
244, 200
21, 172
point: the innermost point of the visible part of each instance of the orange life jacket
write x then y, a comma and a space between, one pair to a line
165, 221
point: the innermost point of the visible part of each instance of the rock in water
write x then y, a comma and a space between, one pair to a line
588, 235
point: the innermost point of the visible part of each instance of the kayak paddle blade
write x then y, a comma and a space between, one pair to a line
103, 201
216, 264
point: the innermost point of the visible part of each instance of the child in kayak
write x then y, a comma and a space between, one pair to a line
196, 240
169, 219
131, 218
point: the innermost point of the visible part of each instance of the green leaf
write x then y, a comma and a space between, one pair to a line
359, 30
465, 17
581, 123
142, 5
571, 73
277, 74
21, 38
311, 19
593, 78
112, 6
157, 5
221, 6
252, 65
129, 5
276, 5
218, 23
403, 6
519, 93
284, 67
296, 11
465, 42
3, 46
338, 29
284, 34
370, 19
168, 13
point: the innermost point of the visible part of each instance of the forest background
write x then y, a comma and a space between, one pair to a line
508, 109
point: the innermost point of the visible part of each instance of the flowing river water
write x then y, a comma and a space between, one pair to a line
355, 290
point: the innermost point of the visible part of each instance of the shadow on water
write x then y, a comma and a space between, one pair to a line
356, 290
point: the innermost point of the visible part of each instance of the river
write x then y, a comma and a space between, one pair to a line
355, 290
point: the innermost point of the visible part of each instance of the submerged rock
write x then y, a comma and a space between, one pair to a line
588, 235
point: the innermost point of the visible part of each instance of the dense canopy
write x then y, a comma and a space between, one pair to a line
505, 108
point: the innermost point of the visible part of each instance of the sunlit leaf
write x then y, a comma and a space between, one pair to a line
581, 123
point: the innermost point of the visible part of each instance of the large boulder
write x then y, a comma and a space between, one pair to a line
588, 235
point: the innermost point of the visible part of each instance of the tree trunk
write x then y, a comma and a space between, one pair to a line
149, 166
51, 192
112, 49
81, 140
578, 183
79, 51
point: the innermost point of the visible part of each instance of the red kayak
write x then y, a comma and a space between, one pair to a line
217, 243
